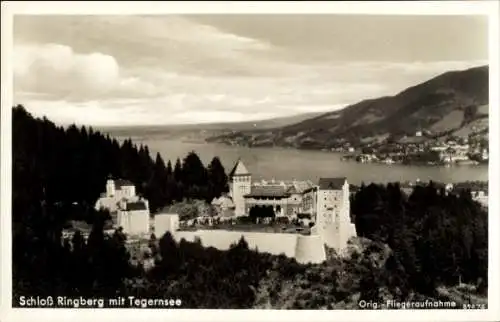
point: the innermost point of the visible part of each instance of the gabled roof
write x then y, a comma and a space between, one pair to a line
332, 183
302, 186
139, 205
239, 169
292, 190
269, 191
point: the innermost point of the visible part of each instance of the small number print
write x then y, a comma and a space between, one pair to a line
470, 306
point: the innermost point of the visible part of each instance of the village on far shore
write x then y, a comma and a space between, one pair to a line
423, 149
290, 217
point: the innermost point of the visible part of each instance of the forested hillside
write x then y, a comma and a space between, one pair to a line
72, 165
455, 103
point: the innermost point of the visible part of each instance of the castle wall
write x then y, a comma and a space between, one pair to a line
222, 239
347, 232
164, 223
303, 248
310, 249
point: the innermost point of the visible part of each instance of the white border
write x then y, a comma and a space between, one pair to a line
490, 8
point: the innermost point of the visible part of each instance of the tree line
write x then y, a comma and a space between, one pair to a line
437, 238
72, 165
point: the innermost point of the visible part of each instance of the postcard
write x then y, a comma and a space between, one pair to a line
250, 161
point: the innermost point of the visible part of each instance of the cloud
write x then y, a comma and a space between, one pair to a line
160, 70
56, 71
196, 99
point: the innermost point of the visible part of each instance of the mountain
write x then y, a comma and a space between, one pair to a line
202, 131
453, 103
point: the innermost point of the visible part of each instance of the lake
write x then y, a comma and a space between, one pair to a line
282, 163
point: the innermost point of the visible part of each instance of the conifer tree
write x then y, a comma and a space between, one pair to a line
217, 179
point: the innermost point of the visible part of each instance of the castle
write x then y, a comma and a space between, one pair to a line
327, 204
284, 197
127, 210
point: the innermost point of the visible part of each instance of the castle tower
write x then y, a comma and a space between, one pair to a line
240, 182
110, 188
333, 220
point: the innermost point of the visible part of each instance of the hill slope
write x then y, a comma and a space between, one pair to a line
201, 131
455, 102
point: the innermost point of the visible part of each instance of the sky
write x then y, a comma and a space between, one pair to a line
166, 69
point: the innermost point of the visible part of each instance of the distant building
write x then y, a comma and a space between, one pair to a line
224, 206
481, 197
120, 188
240, 182
329, 203
478, 191
133, 217
116, 191
128, 210
283, 196
484, 154
408, 187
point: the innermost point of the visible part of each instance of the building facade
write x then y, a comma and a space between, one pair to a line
283, 197
128, 210
133, 217
223, 206
327, 203
116, 192
165, 222
331, 208
240, 182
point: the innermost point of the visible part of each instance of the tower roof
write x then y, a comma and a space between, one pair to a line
331, 183
239, 169
123, 183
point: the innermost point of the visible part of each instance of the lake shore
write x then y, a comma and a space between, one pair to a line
300, 164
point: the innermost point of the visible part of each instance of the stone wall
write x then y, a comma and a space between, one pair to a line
303, 248
310, 249
164, 222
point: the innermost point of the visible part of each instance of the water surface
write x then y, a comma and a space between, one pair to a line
282, 163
